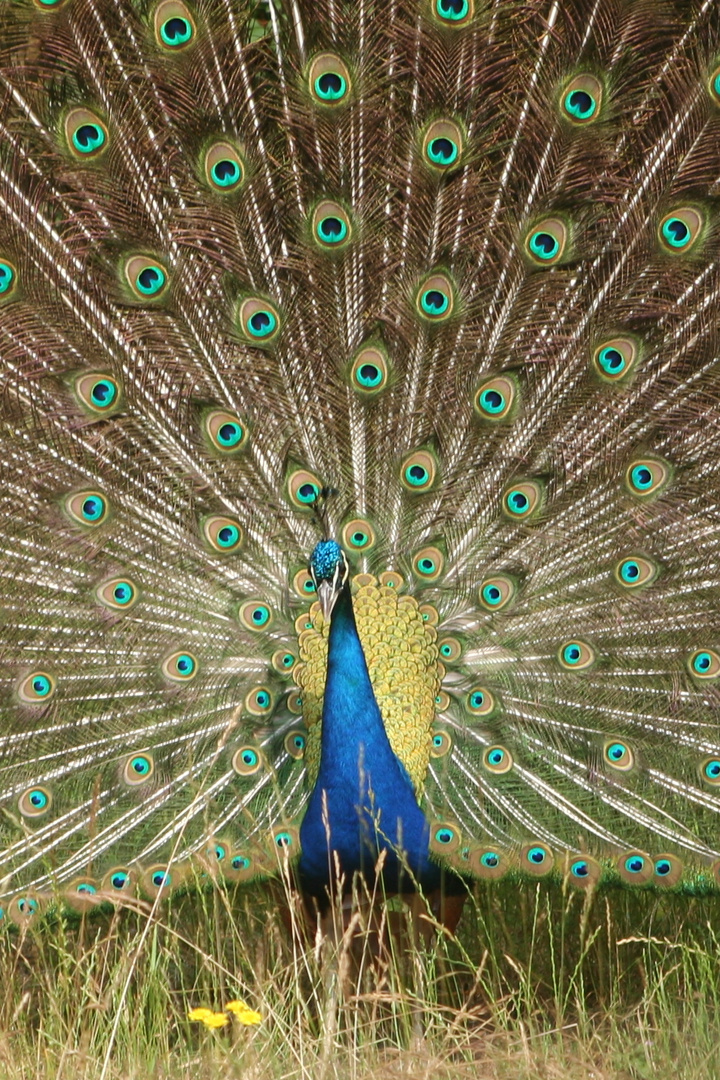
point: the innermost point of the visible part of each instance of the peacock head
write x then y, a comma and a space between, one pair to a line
329, 570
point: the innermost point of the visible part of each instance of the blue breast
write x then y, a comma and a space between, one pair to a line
363, 801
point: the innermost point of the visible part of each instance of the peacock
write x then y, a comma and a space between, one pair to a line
360, 502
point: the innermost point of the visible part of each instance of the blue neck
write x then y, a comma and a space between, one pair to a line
363, 791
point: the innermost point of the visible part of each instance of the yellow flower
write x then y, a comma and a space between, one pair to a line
243, 1012
209, 1018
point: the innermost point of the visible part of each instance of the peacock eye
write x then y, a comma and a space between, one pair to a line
329, 80
647, 476
259, 701
255, 615
331, 225
358, 535
498, 760
680, 230
222, 534
35, 802
453, 12
428, 563
259, 321
443, 144
37, 688
495, 398
576, 655
618, 755
225, 431
87, 508
435, 298
710, 771
441, 744
450, 649
537, 859
174, 25
8, 279
546, 242
369, 371
636, 571
614, 359
180, 667
99, 394
419, 471
480, 702
146, 277
246, 761
497, 592
704, 664
303, 489
118, 594
223, 167
635, 867
295, 744
582, 100
138, 769
522, 500
445, 838
86, 134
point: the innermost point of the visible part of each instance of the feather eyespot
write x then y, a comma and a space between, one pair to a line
255, 615
537, 859
494, 400
98, 393
118, 594
226, 432
174, 25
419, 471
428, 564
120, 879
259, 321
304, 585
452, 12
223, 534
223, 168
636, 571
246, 761
584, 871
667, 870
88, 508
680, 230
635, 867
259, 701
35, 802
497, 592
369, 371
285, 840
295, 742
441, 744
714, 86
283, 661
521, 500
138, 769
615, 359
329, 80
450, 649
445, 837
646, 477
435, 298
498, 760
86, 134
546, 242
180, 667
36, 688
331, 225
576, 655
443, 144
303, 488
430, 615
358, 535
479, 702
704, 664
709, 770
8, 280
618, 755
488, 863
582, 100
146, 277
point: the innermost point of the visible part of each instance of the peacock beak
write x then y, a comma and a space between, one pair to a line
327, 594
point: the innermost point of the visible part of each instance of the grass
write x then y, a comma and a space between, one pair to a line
538, 983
